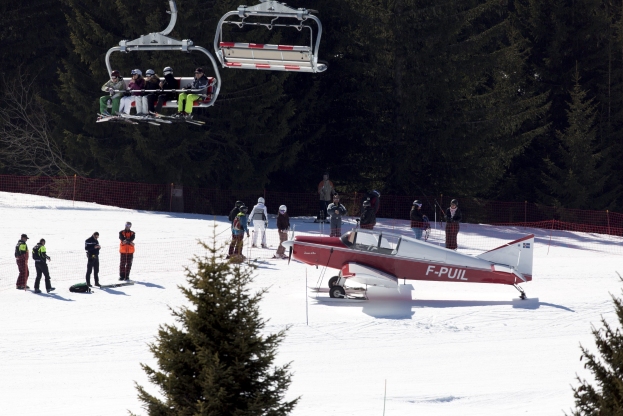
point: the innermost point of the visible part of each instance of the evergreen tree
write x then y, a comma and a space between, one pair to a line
579, 180
216, 359
606, 397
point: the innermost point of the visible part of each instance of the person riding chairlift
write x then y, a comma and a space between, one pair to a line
137, 84
152, 82
114, 84
185, 100
168, 83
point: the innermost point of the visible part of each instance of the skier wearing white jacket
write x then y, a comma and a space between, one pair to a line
259, 216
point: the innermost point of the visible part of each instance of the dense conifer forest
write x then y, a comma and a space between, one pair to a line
509, 100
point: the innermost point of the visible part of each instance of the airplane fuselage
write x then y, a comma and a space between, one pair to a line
333, 253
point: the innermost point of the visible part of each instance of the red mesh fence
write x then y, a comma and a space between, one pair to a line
162, 197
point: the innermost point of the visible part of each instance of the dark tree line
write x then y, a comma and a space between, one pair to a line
511, 100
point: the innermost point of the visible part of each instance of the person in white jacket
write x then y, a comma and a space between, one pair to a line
259, 216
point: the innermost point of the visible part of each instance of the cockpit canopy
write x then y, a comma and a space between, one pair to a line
369, 240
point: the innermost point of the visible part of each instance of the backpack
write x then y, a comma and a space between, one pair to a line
236, 224
80, 288
35, 253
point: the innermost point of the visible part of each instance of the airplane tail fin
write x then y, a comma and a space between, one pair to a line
517, 255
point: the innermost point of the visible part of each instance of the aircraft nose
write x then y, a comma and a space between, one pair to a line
288, 243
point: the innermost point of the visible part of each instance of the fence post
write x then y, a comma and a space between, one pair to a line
171, 197
608, 219
73, 198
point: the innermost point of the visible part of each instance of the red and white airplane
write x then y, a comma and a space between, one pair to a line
378, 258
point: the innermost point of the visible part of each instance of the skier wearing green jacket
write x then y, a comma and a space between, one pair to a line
114, 84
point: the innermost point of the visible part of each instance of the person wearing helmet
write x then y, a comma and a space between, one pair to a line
113, 86
259, 216
368, 216
283, 225
232, 215
152, 85
336, 211
325, 191
239, 228
168, 83
185, 100
453, 218
419, 221
133, 93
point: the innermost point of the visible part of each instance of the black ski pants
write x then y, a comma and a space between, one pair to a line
125, 265
94, 265
42, 269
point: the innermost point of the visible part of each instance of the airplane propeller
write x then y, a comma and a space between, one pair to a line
290, 245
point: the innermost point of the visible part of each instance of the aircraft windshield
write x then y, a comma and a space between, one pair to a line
374, 242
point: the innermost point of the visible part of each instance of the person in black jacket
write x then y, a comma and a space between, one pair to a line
232, 215
21, 258
168, 83
40, 255
419, 221
336, 211
92, 247
368, 216
453, 218
152, 82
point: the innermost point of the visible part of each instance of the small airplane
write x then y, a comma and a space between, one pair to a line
379, 258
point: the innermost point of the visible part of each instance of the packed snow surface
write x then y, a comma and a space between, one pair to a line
436, 349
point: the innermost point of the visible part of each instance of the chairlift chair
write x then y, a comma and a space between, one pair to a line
159, 41
301, 58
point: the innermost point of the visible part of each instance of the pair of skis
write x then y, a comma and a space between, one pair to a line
153, 118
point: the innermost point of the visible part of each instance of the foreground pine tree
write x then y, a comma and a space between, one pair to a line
606, 398
216, 360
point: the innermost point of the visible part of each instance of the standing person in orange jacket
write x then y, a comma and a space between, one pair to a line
126, 248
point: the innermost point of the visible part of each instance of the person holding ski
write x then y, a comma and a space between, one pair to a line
336, 212
114, 86
239, 229
419, 221
152, 82
232, 215
134, 93
368, 216
259, 216
41, 257
283, 225
168, 83
186, 99
92, 248
21, 258
325, 192
453, 218
126, 249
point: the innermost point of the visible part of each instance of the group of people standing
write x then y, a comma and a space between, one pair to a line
92, 248
149, 94
240, 222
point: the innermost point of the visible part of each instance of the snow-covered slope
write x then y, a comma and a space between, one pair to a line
468, 349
